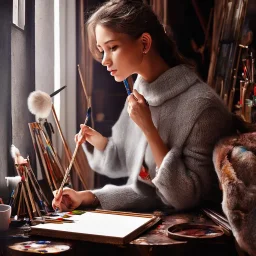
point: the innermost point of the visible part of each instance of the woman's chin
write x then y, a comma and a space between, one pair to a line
119, 78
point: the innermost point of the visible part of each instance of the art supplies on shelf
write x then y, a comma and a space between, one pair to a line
246, 105
100, 226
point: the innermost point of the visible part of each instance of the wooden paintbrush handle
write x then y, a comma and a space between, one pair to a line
83, 85
67, 151
26, 200
69, 168
40, 150
30, 196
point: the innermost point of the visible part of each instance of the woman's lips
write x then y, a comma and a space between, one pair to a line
112, 72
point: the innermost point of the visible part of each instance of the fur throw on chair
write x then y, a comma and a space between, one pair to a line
235, 163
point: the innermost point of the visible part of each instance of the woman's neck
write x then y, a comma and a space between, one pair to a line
153, 66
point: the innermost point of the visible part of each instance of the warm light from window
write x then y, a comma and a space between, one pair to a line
57, 55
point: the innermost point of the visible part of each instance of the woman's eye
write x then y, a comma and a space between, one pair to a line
113, 48
102, 54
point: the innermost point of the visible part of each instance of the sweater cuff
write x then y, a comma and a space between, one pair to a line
124, 197
97, 157
163, 172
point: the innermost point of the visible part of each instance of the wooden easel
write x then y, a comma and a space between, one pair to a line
28, 198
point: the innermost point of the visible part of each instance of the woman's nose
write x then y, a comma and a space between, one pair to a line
105, 60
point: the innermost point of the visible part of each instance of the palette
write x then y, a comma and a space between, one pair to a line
192, 231
41, 247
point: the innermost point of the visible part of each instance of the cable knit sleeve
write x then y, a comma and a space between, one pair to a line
111, 161
127, 197
186, 175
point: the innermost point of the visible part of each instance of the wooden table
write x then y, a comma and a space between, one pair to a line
153, 242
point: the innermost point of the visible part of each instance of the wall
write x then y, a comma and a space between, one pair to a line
22, 81
5, 92
16, 81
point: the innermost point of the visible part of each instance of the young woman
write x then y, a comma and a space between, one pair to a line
164, 138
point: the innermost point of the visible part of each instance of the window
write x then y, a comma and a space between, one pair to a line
18, 17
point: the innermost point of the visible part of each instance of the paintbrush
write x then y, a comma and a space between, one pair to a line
40, 103
46, 219
57, 91
74, 154
126, 85
88, 99
219, 220
88, 115
42, 153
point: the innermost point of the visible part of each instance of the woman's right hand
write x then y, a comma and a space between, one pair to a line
93, 137
66, 200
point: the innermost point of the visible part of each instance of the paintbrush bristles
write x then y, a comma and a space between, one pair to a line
39, 104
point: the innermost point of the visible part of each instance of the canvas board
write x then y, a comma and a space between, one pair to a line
100, 227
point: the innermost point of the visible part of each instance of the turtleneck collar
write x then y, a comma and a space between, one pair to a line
168, 85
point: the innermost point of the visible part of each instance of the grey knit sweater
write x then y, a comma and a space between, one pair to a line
190, 118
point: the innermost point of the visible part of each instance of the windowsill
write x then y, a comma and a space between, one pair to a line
17, 27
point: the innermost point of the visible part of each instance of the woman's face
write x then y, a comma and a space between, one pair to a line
121, 54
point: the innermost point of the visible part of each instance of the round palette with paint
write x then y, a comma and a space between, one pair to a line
40, 247
192, 231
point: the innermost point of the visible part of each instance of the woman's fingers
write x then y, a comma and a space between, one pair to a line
136, 97
76, 138
57, 199
86, 133
139, 97
62, 199
81, 136
56, 204
86, 129
57, 194
56, 207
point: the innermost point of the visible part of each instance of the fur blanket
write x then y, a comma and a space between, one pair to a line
235, 163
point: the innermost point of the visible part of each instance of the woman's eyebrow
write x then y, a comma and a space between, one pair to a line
111, 40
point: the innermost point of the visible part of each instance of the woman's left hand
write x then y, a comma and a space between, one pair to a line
139, 111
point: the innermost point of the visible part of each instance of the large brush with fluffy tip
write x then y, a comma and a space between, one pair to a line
40, 104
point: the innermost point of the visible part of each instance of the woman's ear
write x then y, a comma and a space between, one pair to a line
146, 40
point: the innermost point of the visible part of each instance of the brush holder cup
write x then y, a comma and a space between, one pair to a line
5, 215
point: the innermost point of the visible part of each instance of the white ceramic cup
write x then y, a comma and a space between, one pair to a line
5, 215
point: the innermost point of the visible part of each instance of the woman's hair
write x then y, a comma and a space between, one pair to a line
133, 17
